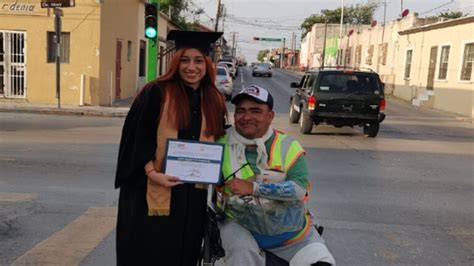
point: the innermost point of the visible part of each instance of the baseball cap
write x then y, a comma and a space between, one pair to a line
255, 93
194, 39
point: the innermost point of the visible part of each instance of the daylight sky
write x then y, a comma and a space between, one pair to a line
280, 18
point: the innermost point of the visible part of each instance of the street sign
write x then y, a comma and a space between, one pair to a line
268, 39
57, 3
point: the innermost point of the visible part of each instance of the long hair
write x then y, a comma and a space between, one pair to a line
212, 101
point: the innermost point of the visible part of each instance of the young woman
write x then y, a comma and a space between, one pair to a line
161, 220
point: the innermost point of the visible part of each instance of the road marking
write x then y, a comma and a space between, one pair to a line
16, 197
71, 245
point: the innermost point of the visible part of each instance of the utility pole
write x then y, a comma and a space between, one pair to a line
282, 54
218, 15
324, 44
340, 31
383, 33
233, 44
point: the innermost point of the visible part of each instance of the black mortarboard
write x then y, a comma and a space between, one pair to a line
193, 39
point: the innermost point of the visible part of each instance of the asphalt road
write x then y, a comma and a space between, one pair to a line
405, 197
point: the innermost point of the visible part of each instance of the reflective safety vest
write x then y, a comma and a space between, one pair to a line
283, 154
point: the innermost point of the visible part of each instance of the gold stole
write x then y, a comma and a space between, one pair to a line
159, 197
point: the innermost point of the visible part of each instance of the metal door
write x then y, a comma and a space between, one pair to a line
118, 69
12, 64
432, 67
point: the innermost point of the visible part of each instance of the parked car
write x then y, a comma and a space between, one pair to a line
262, 69
338, 97
230, 66
232, 60
224, 82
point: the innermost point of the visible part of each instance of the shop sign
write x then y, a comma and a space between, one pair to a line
16, 7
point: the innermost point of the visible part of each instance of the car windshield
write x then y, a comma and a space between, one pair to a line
221, 71
263, 65
347, 83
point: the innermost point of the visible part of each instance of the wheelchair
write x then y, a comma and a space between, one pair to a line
212, 249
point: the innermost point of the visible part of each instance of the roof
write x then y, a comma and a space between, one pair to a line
439, 25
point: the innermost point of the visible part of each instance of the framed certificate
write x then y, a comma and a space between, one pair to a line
194, 161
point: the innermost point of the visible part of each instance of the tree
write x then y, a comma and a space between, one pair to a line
174, 8
262, 54
451, 14
358, 14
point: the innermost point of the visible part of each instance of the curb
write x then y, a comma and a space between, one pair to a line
66, 111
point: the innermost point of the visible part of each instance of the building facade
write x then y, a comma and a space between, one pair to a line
102, 51
425, 61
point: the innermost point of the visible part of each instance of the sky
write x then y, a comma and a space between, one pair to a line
281, 18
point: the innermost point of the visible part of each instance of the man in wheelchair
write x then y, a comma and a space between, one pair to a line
263, 197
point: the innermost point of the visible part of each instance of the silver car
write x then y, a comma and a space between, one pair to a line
224, 81
262, 69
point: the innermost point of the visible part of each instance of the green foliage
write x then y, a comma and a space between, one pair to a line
262, 54
451, 14
176, 7
358, 14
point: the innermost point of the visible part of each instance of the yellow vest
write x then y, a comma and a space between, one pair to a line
283, 154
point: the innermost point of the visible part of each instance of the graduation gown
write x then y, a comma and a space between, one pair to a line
156, 240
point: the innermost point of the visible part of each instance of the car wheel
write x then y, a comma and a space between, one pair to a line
270, 75
253, 74
371, 129
306, 124
294, 115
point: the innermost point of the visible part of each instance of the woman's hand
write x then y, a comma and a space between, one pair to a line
164, 180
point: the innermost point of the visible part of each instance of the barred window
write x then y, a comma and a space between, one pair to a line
348, 55
383, 54
443, 62
408, 58
370, 54
358, 54
63, 47
467, 60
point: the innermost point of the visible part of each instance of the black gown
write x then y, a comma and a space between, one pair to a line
156, 240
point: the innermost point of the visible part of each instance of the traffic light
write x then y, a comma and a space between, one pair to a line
151, 21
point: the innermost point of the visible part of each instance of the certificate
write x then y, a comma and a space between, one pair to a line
194, 161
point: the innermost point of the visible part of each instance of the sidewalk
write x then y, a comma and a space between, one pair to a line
120, 109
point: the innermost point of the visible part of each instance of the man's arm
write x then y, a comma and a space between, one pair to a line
293, 188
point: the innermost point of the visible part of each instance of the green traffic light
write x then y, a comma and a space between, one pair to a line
150, 32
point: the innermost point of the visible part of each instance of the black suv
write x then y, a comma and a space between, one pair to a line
339, 97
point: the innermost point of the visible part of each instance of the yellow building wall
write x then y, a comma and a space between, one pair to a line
122, 21
36, 22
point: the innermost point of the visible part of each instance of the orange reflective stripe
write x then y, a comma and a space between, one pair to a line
275, 140
301, 234
293, 160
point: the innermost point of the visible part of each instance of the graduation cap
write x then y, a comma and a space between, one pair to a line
193, 39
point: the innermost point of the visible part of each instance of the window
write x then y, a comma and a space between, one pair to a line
370, 54
467, 60
408, 63
129, 51
443, 62
348, 55
63, 47
358, 54
382, 59
339, 54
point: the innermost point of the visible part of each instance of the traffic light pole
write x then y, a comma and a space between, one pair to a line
152, 47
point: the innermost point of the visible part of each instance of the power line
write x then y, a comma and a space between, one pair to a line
445, 4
